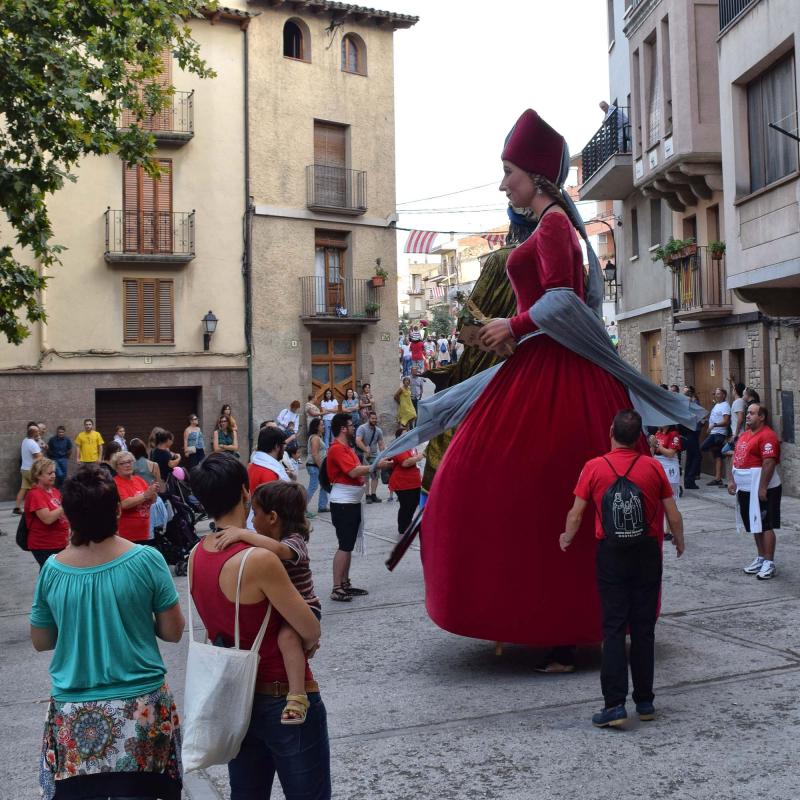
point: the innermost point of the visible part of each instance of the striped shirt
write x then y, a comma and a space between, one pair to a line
299, 569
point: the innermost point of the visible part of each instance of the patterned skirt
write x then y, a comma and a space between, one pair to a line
119, 748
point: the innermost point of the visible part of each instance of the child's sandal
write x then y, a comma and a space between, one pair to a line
295, 710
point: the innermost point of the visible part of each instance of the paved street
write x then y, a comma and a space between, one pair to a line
417, 713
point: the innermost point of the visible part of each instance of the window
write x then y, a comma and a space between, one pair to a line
655, 222
147, 209
634, 233
712, 223
771, 98
330, 267
653, 94
690, 227
296, 40
610, 22
354, 55
148, 315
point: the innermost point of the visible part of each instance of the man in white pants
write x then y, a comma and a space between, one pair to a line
757, 487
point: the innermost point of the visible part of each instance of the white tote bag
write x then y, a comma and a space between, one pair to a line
218, 700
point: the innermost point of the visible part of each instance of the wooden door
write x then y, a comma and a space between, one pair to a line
708, 376
330, 162
334, 281
652, 361
736, 364
147, 209
333, 365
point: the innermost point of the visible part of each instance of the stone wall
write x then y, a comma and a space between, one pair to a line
66, 398
784, 365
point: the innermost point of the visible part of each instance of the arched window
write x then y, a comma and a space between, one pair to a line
354, 54
296, 40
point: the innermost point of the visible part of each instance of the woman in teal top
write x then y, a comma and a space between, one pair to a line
193, 442
112, 728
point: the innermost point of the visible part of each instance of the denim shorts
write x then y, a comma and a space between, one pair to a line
299, 754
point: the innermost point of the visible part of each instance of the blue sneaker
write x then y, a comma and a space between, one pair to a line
646, 711
610, 717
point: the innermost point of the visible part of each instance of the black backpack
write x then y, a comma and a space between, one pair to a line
324, 480
622, 511
22, 533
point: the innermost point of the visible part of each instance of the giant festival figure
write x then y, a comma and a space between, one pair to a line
489, 536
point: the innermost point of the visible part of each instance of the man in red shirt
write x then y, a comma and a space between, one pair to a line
265, 464
346, 474
629, 577
757, 487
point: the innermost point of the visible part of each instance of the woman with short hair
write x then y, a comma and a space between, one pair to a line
48, 529
136, 497
112, 728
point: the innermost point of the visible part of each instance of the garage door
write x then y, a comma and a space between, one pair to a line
140, 410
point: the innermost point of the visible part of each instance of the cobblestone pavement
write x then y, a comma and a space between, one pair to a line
415, 712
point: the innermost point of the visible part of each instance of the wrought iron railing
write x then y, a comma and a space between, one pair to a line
177, 117
149, 233
698, 282
336, 188
730, 9
349, 298
613, 136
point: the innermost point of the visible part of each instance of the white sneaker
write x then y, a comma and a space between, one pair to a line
767, 571
755, 567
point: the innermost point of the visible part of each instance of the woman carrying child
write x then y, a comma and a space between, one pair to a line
300, 755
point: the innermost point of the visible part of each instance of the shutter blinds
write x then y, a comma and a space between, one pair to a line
148, 311
147, 208
163, 120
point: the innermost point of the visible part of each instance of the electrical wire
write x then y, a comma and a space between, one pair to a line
447, 194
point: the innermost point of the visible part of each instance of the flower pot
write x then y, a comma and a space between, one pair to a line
689, 250
377, 281
716, 255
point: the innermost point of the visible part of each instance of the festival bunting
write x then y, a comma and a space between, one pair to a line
495, 239
420, 241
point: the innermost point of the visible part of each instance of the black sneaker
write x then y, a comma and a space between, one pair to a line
714, 483
610, 717
690, 486
376, 499
646, 711
369, 498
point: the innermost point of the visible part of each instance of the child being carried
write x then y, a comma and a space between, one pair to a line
279, 510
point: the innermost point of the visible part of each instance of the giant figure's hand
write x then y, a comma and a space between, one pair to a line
496, 335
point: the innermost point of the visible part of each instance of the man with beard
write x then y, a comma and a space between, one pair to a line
346, 475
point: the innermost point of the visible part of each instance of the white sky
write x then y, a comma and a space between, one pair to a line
465, 72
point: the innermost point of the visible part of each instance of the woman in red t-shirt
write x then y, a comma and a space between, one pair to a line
135, 497
405, 481
48, 528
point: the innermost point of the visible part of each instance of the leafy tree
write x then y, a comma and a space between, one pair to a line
442, 324
69, 68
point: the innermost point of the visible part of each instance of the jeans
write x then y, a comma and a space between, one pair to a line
61, 470
300, 754
409, 500
629, 582
406, 367
313, 485
327, 435
713, 443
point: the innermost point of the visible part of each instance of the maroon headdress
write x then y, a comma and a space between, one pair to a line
534, 146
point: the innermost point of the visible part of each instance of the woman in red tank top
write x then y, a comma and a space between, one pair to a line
299, 754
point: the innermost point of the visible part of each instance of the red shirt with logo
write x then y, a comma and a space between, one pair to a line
134, 523
647, 474
340, 461
671, 440
40, 535
257, 475
404, 477
752, 448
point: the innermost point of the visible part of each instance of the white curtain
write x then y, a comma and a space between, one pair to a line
319, 283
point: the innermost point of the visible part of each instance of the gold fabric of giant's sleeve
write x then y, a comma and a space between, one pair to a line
494, 296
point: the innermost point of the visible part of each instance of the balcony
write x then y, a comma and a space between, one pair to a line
336, 190
607, 161
729, 10
348, 301
172, 125
698, 287
157, 237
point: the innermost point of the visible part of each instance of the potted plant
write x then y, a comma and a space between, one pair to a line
380, 276
669, 252
716, 250
688, 247
371, 308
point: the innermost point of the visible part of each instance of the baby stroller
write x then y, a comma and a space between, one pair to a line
177, 538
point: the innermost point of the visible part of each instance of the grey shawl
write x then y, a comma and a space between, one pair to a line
564, 317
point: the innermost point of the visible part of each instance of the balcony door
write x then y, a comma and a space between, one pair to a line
331, 250
162, 121
333, 365
147, 209
330, 162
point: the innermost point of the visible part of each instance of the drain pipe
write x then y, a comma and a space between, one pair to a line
247, 254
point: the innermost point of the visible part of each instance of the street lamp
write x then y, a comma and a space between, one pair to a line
209, 326
610, 272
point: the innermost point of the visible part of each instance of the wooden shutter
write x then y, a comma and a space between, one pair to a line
329, 144
148, 316
147, 209
163, 120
